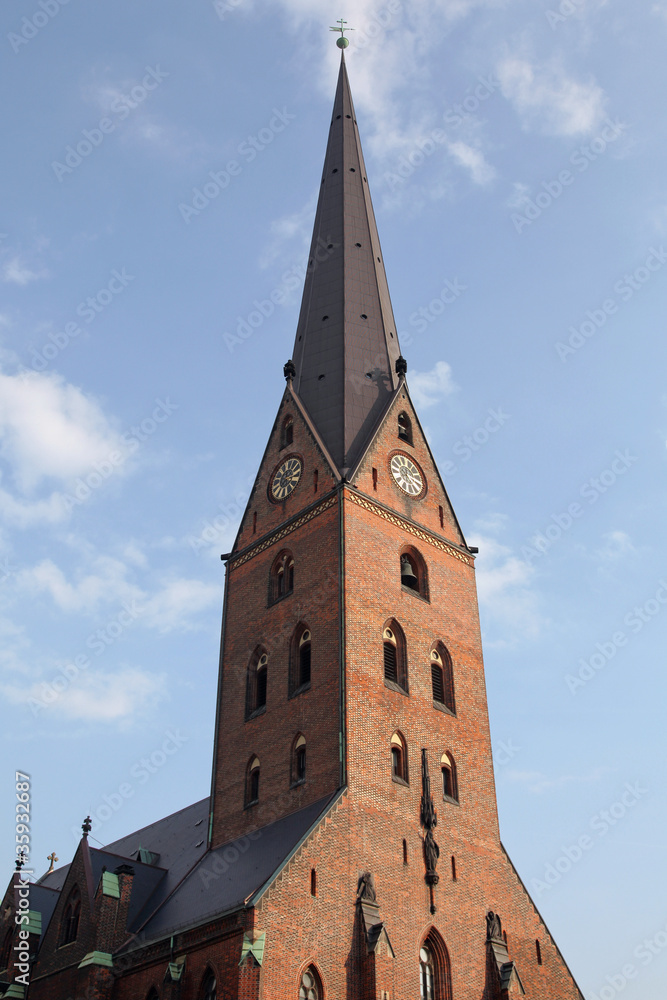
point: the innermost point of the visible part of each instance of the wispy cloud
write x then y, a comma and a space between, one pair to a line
428, 388
548, 99
51, 429
473, 160
16, 272
505, 588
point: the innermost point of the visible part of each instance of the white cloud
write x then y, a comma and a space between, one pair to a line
95, 696
51, 429
17, 273
428, 388
178, 603
473, 160
504, 587
616, 545
174, 605
548, 98
289, 234
537, 782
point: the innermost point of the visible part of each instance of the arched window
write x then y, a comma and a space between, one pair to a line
413, 571
252, 782
442, 679
209, 986
395, 660
405, 428
69, 927
256, 683
300, 658
450, 788
299, 760
310, 987
399, 758
287, 432
281, 578
434, 970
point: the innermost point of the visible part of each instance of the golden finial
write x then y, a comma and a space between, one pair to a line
342, 42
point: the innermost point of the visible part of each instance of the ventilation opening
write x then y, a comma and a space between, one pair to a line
364, 316
315, 478
375, 479
330, 245
254, 522
453, 868
357, 244
313, 882
320, 377
352, 170
441, 515
405, 852
348, 116
324, 317
335, 170
369, 375
538, 952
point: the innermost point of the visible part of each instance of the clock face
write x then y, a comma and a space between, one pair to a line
407, 475
285, 478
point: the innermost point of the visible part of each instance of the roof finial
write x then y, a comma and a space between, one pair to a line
52, 858
86, 826
342, 42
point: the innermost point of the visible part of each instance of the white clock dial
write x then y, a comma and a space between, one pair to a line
286, 478
407, 475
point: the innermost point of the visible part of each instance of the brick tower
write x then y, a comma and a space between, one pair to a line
351, 672
353, 850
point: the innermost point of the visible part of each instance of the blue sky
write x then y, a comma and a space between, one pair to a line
161, 167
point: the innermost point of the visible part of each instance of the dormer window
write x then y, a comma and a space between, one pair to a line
287, 432
404, 428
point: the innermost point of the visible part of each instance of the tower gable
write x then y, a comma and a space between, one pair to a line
372, 476
263, 515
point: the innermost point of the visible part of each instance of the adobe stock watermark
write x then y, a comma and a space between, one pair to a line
566, 8
605, 651
581, 158
249, 150
105, 467
215, 527
88, 310
592, 490
601, 823
278, 296
139, 773
645, 952
421, 318
625, 288
503, 752
471, 443
97, 642
32, 25
225, 7
454, 116
121, 107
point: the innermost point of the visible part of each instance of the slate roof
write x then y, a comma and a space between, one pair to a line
346, 342
188, 885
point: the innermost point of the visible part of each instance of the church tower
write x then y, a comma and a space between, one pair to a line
353, 850
351, 674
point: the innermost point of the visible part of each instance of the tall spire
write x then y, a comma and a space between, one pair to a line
346, 341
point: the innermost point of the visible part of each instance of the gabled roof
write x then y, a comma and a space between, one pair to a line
346, 343
189, 885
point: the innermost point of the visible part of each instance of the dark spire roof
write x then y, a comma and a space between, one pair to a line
346, 341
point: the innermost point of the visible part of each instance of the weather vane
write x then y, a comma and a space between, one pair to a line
342, 42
